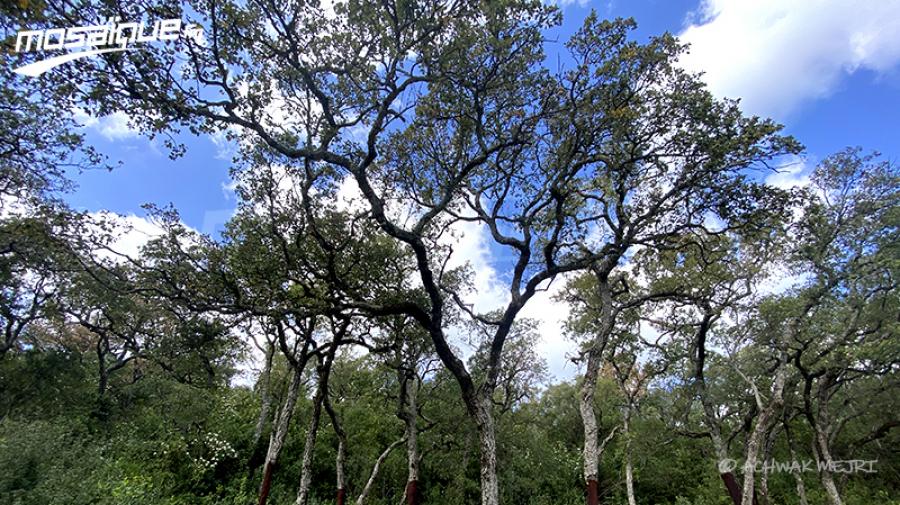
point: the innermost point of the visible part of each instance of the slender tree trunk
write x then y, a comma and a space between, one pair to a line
825, 463
341, 458
279, 433
409, 414
629, 475
709, 413
757, 437
102, 372
798, 478
312, 432
591, 448
767, 455
821, 429
265, 394
375, 469
324, 372
341, 479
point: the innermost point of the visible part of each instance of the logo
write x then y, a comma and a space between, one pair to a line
97, 39
727, 465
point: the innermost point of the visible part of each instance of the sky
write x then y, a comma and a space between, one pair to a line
828, 70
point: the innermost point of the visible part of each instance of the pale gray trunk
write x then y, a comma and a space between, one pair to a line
339, 464
821, 428
276, 439
798, 478
758, 435
341, 457
767, 455
409, 413
312, 432
265, 393
591, 448
487, 442
375, 469
825, 464
629, 475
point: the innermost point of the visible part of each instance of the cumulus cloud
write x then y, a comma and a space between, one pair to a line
131, 233
112, 127
551, 315
777, 54
793, 174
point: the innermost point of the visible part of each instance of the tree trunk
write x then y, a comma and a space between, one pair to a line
487, 442
409, 414
629, 476
767, 455
798, 478
341, 458
709, 413
825, 462
265, 394
276, 439
591, 448
758, 435
312, 432
821, 430
368, 488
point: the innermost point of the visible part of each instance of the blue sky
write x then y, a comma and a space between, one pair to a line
829, 70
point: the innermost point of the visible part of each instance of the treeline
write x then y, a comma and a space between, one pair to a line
325, 347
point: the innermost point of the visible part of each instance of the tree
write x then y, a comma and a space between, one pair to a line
846, 329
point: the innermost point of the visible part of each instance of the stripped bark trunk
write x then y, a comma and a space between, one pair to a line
341, 458
757, 437
408, 412
312, 432
629, 474
375, 469
276, 439
591, 449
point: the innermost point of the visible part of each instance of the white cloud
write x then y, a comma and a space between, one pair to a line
777, 54
112, 127
471, 245
792, 174
131, 233
566, 3
551, 315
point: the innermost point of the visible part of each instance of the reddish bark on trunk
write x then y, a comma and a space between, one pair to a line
734, 491
412, 492
593, 492
341, 496
266, 484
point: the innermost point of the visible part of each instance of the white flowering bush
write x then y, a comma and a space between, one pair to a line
212, 450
